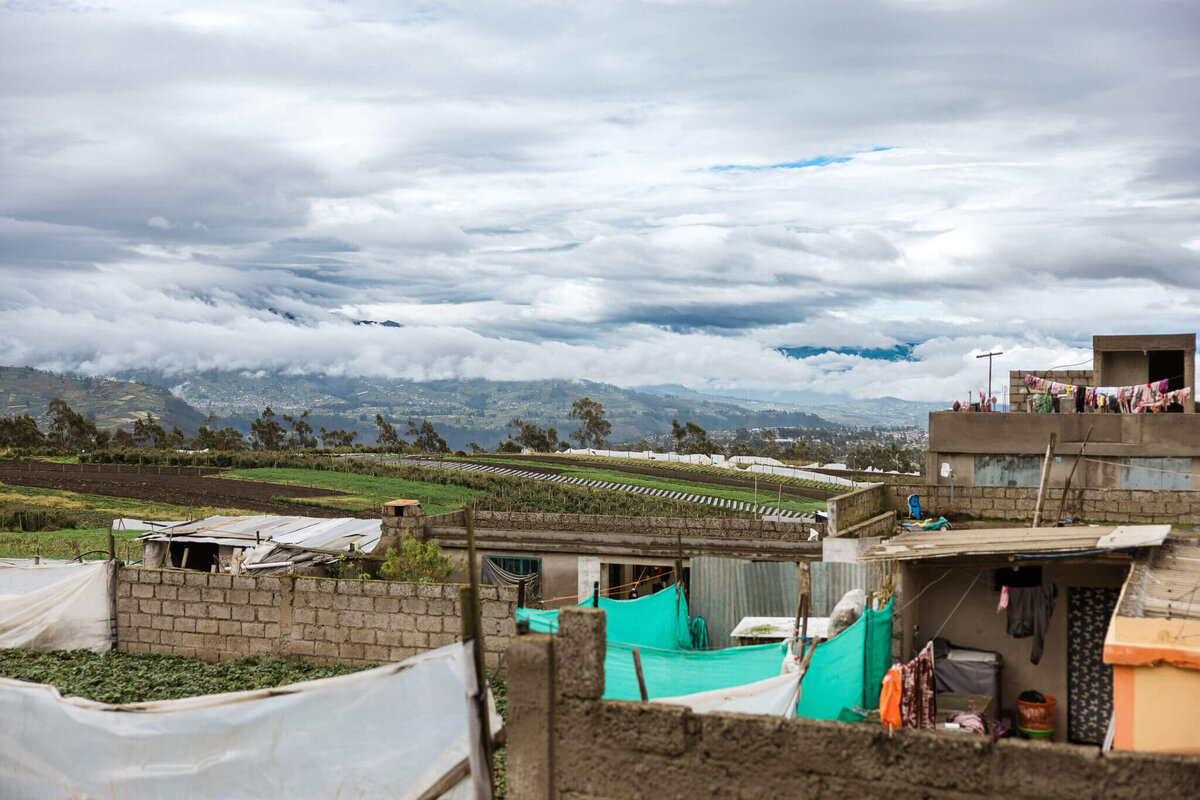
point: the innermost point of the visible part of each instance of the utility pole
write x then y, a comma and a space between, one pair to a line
989, 357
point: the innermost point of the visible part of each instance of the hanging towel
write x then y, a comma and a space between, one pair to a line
918, 697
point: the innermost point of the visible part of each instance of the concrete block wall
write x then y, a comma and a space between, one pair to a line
1016, 383
565, 742
324, 620
1018, 503
712, 527
854, 507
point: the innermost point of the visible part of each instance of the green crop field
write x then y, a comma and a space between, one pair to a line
65, 544
366, 491
767, 495
94, 510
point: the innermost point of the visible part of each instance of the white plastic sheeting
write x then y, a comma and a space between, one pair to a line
776, 697
392, 732
56, 606
760, 464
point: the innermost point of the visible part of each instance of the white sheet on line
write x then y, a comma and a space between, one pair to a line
776, 696
56, 606
390, 732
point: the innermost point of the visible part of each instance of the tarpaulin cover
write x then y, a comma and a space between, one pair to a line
774, 697
393, 731
656, 620
55, 606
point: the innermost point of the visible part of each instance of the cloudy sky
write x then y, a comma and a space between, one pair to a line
638, 193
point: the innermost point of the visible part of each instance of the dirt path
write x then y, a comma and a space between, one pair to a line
182, 486
676, 475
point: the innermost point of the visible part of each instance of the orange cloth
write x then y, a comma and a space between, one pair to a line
889, 699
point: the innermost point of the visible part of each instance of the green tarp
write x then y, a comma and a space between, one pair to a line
657, 620
845, 672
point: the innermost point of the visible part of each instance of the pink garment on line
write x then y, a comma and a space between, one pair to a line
1003, 599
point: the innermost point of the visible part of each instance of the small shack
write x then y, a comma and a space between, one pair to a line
260, 544
1062, 585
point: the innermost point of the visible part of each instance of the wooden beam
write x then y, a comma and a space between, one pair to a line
1041, 495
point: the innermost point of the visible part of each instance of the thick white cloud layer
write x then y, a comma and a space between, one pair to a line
628, 192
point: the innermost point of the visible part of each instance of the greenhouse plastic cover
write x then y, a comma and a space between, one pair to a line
774, 697
392, 731
55, 606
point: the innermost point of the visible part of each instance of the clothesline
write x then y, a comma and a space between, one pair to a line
1135, 399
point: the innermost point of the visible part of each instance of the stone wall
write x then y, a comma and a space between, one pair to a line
324, 620
1016, 383
565, 742
854, 507
1017, 503
882, 525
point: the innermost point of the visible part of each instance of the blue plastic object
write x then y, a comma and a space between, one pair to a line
914, 506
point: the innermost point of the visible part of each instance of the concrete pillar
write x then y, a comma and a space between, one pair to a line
530, 725
579, 653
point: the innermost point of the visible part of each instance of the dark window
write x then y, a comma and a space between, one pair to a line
1166, 365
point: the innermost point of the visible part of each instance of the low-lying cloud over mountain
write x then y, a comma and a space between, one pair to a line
634, 193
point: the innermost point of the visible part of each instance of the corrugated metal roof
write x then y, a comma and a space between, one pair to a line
275, 538
724, 590
830, 580
925, 545
1166, 583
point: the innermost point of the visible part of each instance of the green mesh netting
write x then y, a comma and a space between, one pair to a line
845, 672
656, 620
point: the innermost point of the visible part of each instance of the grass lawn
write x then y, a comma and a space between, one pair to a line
367, 491
63, 544
767, 496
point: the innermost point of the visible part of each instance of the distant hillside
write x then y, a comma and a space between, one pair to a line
462, 410
109, 403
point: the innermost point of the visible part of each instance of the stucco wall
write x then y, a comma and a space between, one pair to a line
219, 617
564, 742
975, 625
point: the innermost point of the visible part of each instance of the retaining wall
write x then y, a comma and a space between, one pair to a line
854, 507
324, 620
565, 742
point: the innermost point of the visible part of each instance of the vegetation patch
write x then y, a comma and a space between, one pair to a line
67, 544
365, 491
117, 677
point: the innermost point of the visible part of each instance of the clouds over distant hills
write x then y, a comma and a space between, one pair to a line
626, 192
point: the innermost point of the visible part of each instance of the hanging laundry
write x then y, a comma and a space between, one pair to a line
918, 696
1137, 399
889, 699
1029, 612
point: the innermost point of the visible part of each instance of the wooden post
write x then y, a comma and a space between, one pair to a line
112, 544
1041, 495
1067, 486
595, 594
473, 625
637, 667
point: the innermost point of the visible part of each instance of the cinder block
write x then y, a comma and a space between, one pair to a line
362, 603
142, 590
211, 595
386, 605
206, 625
350, 652
429, 624
441, 607
375, 654
173, 577
388, 638
362, 636
429, 590
375, 588
441, 639
325, 649
242, 613
189, 594
413, 606
350, 587
262, 598
185, 624
242, 582
229, 628
304, 616
267, 613
253, 629
351, 619
415, 639
305, 585
149, 575
271, 630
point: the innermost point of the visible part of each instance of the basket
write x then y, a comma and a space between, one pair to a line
1036, 717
